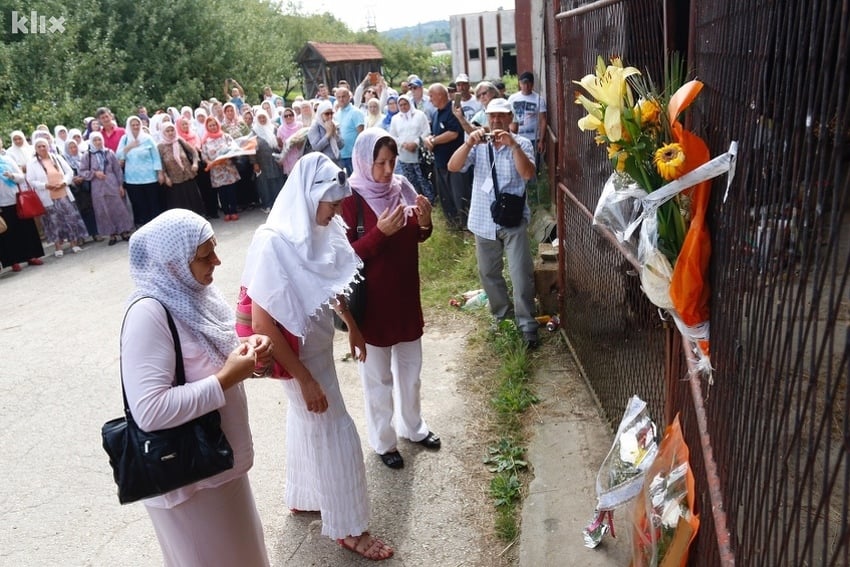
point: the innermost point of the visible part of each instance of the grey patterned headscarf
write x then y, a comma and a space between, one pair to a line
160, 254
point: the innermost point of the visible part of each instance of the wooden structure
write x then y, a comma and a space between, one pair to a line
329, 63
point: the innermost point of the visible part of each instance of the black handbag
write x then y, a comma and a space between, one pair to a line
506, 209
357, 298
150, 463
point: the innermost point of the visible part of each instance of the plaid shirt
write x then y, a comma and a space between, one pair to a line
480, 222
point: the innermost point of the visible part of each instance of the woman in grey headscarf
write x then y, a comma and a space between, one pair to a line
212, 522
324, 134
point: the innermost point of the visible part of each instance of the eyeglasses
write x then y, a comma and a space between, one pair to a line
288, 115
340, 178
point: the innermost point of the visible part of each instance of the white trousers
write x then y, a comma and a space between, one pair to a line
391, 384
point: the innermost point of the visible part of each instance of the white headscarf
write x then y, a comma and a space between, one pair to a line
20, 154
295, 266
265, 132
160, 254
379, 196
129, 131
323, 107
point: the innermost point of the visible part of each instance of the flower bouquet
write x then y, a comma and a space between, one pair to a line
621, 475
658, 184
664, 519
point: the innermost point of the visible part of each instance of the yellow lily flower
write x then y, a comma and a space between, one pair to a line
611, 91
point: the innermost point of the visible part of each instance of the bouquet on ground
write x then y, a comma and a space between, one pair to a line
621, 475
664, 519
649, 148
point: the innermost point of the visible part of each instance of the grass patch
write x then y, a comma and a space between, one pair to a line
448, 267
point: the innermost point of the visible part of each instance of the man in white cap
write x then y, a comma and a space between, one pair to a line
504, 163
468, 103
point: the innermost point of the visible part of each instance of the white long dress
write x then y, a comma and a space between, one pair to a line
324, 458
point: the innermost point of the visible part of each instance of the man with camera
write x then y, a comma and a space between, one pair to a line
499, 215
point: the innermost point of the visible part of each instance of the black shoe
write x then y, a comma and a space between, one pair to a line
393, 460
431, 441
112, 241
530, 340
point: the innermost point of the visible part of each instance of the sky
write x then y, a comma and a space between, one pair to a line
389, 14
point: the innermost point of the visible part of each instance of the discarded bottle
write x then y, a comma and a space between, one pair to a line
543, 319
476, 301
553, 323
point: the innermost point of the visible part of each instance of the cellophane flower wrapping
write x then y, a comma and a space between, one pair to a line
621, 475
619, 207
664, 522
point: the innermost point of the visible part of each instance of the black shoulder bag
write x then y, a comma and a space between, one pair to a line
357, 297
506, 209
150, 463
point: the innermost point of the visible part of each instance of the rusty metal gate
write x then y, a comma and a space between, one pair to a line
769, 440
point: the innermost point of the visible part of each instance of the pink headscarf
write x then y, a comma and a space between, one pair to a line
379, 196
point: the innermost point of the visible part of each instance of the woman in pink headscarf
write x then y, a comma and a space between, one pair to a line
395, 221
292, 137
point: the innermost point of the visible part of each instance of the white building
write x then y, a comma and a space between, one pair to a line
483, 45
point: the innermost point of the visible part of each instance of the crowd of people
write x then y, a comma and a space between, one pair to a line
348, 181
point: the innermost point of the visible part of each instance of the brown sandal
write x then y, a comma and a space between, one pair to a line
367, 546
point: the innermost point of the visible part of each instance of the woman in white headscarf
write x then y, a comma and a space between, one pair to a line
142, 170
20, 242
268, 173
298, 266
51, 176
324, 134
60, 136
179, 169
20, 151
212, 522
396, 220
101, 168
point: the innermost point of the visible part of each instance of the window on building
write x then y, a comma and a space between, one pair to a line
474, 54
491, 52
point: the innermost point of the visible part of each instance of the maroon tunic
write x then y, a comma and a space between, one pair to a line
393, 307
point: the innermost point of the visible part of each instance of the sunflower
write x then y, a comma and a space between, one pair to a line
669, 161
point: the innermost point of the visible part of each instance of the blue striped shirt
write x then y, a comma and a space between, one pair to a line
480, 222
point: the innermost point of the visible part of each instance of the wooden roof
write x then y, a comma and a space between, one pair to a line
336, 52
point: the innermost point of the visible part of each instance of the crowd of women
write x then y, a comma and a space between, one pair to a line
103, 181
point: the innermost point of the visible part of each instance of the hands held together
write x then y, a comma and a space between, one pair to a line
391, 221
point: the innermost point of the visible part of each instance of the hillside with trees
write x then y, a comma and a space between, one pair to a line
125, 53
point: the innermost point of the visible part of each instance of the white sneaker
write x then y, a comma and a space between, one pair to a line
76, 249
58, 253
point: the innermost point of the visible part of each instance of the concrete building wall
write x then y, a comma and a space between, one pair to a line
483, 44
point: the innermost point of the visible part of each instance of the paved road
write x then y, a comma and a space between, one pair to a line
59, 328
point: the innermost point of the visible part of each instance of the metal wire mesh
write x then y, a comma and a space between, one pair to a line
776, 80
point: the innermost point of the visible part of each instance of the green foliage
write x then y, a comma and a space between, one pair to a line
506, 456
505, 489
126, 53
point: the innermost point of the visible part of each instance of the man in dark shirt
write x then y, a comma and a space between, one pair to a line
447, 136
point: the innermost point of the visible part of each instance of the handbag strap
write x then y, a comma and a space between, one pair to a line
361, 228
179, 372
493, 170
